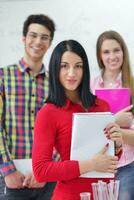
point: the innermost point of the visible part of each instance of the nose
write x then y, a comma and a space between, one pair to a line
71, 71
38, 40
112, 55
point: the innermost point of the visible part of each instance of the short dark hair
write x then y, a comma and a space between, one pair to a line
56, 90
39, 19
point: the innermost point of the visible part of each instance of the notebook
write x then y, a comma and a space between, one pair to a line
118, 98
88, 138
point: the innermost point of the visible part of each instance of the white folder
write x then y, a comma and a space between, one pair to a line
23, 165
88, 138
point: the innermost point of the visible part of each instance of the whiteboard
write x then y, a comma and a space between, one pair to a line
82, 20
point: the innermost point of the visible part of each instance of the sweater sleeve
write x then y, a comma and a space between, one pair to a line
44, 168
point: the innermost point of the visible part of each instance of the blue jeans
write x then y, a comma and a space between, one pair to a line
126, 176
26, 194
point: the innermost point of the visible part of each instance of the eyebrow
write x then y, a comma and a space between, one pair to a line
75, 63
116, 47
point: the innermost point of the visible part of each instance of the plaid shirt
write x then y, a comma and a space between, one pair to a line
23, 95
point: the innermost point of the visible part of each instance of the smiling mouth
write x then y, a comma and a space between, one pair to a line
114, 64
36, 49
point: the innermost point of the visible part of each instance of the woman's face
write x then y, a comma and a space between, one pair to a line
71, 71
111, 55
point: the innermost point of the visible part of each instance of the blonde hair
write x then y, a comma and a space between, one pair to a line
127, 77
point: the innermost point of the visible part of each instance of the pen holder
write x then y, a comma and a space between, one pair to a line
85, 196
105, 191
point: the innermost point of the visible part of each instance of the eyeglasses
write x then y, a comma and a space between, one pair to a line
43, 37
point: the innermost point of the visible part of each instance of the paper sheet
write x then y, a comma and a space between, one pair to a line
23, 165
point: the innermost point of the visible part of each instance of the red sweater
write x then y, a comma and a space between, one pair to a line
53, 129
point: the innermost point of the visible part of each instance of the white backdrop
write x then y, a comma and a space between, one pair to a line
82, 20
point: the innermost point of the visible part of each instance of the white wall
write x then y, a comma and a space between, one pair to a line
82, 20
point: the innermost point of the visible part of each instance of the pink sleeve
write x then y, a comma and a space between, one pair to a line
93, 85
44, 168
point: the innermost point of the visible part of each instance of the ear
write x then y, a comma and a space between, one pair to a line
50, 43
23, 39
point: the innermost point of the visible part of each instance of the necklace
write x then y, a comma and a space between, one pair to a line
109, 84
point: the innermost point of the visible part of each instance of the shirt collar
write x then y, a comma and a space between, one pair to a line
24, 67
69, 104
118, 81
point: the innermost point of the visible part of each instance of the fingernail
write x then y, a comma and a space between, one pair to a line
105, 132
107, 145
108, 137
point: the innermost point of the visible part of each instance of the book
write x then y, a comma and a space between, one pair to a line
88, 138
118, 98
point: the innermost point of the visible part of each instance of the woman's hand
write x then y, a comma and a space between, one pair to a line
104, 163
100, 162
113, 132
124, 118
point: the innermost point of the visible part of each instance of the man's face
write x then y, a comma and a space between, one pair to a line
36, 42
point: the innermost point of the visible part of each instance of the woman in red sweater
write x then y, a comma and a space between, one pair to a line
68, 93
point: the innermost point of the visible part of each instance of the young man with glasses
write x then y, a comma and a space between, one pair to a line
24, 88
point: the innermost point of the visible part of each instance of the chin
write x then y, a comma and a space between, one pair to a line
72, 89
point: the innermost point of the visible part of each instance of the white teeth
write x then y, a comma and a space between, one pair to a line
36, 48
115, 63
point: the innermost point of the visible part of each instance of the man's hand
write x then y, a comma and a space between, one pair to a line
14, 180
31, 182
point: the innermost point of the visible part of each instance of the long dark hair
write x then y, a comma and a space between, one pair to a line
56, 91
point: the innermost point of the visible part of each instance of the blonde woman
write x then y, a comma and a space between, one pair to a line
113, 61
